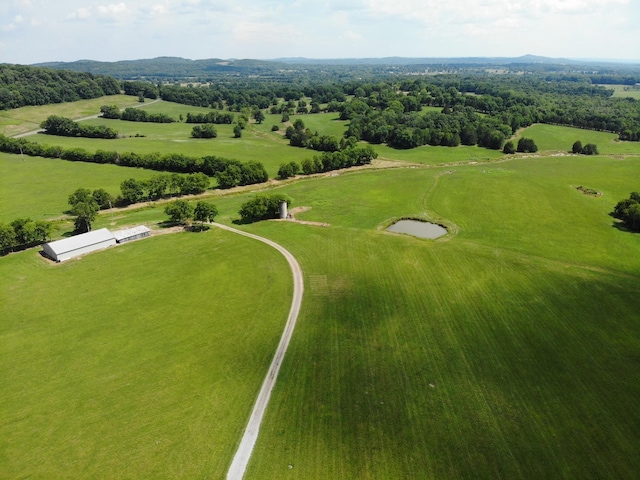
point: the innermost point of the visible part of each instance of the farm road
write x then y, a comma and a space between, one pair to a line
243, 454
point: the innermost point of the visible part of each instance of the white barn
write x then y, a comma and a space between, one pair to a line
77, 245
130, 234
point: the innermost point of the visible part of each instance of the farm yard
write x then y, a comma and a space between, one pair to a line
507, 349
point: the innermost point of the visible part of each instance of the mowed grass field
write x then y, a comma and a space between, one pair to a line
508, 349
141, 361
561, 139
475, 357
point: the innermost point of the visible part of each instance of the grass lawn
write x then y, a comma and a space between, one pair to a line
141, 361
556, 138
430, 155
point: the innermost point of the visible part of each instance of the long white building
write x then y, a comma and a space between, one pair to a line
77, 245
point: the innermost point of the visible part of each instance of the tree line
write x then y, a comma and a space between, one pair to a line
22, 85
23, 233
228, 172
131, 114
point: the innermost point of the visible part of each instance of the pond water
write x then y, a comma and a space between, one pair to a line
418, 229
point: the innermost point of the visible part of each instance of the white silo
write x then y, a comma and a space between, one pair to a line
283, 210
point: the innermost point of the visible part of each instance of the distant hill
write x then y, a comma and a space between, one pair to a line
176, 68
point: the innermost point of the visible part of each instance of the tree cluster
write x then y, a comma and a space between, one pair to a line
628, 210
211, 117
85, 205
22, 85
23, 233
588, 149
204, 131
230, 173
180, 211
65, 127
262, 207
160, 186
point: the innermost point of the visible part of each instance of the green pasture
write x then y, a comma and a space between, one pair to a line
561, 139
507, 349
26, 119
430, 155
39, 187
272, 149
625, 91
141, 361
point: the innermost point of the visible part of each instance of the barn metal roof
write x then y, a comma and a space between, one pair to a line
79, 241
130, 232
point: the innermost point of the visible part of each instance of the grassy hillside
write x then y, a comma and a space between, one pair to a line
140, 361
507, 349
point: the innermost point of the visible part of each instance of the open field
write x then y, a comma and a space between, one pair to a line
137, 361
26, 119
628, 91
561, 139
508, 349
39, 187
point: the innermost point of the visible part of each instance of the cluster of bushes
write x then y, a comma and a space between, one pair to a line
628, 210
131, 114
263, 206
23, 233
328, 161
588, 149
525, 145
211, 117
204, 131
229, 172
65, 127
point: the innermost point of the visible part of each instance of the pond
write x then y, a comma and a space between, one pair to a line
418, 229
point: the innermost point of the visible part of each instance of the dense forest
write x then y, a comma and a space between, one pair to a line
23, 85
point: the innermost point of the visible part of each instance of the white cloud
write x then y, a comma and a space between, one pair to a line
79, 14
115, 11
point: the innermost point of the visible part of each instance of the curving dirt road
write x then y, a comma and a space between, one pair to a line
243, 454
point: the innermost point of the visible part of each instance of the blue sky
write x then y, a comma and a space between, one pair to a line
34, 31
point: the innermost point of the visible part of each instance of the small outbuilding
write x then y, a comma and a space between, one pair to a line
77, 245
133, 233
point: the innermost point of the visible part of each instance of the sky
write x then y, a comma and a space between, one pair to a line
33, 31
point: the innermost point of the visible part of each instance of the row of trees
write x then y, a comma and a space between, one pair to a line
134, 115
23, 233
65, 127
211, 117
229, 172
329, 161
161, 186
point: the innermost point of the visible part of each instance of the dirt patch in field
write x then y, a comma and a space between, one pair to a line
292, 217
